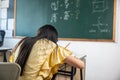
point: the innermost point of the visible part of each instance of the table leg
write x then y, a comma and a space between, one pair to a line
4, 57
81, 74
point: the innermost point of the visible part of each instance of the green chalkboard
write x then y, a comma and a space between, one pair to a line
74, 19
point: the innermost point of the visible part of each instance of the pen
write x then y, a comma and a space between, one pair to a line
67, 45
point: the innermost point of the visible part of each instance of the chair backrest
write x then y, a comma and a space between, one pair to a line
2, 35
9, 71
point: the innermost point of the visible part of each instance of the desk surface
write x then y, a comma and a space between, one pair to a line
80, 56
5, 48
66, 71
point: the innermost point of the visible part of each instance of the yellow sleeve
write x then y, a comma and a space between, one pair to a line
54, 60
14, 55
11, 58
57, 57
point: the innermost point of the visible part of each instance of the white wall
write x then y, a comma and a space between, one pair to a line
102, 57
118, 21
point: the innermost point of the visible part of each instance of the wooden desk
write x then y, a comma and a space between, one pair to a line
3, 50
67, 72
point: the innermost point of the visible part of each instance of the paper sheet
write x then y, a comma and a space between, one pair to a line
3, 24
5, 4
10, 24
4, 13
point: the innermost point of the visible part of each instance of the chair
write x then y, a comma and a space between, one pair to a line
9, 71
2, 35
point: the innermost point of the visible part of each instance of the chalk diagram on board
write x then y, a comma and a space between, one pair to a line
67, 14
99, 26
99, 6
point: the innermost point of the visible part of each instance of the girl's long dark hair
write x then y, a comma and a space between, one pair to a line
47, 31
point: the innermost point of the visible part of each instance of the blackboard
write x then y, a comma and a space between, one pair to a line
74, 19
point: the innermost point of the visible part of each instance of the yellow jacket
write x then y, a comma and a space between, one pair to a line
44, 60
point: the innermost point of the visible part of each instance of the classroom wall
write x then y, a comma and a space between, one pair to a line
102, 61
118, 21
